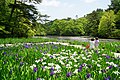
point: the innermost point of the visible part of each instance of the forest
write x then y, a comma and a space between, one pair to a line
20, 19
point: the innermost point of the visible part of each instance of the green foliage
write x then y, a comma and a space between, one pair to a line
118, 20
116, 33
57, 27
66, 27
2, 31
30, 33
115, 5
35, 1
93, 22
39, 29
18, 19
26, 40
82, 23
107, 24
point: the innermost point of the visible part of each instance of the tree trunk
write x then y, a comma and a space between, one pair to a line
12, 11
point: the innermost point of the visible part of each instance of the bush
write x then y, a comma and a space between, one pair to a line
116, 33
30, 33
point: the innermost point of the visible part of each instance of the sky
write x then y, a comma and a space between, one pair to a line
59, 9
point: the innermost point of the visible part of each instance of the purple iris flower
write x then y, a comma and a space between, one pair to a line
80, 69
51, 56
96, 51
68, 74
110, 67
108, 78
4, 53
51, 73
38, 79
41, 51
52, 68
45, 52
107, 57
35, 69
17, 59
26, 46
67, 60
16, 54
43, 67
88, 75
41, 59
83, 65
21, 63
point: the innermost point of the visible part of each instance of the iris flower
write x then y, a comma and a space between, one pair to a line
35, 69
51, 73
68, 74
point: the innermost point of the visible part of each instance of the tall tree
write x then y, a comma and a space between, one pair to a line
94, 20
17, 15
84, 25
115, 6
4, 14
14, 6
118, 20
107, 24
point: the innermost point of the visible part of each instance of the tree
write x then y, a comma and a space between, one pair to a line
18, 18
67, 27
107, 24
116, 33
93, 22
4, 14
57, 27
23, 15
15, 2
118, 20
39, 29
34, 1
19, 9
115, 6
83, 22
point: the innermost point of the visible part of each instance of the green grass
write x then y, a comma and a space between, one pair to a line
24, 40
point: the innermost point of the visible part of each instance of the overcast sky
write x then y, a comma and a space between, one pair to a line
58, 9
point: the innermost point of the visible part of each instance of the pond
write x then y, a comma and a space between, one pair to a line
78, 38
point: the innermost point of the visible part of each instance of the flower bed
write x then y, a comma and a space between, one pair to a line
57, 62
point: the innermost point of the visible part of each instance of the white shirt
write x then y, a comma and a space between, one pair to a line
92, 44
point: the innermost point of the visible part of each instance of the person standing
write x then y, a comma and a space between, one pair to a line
96, 42
92, 43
